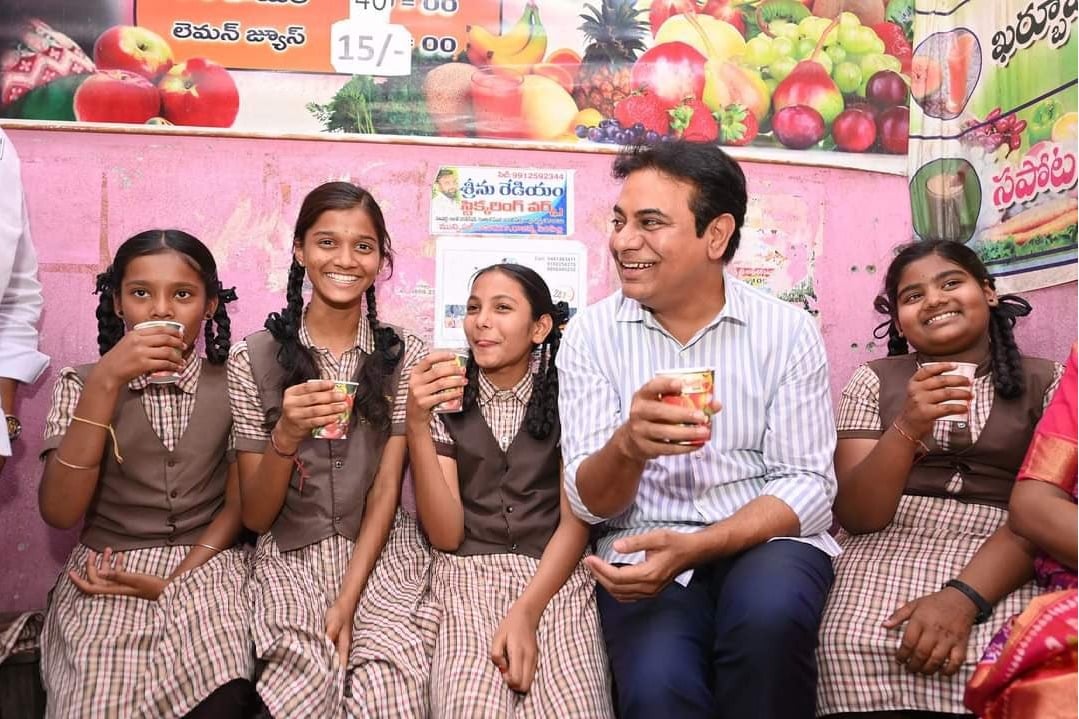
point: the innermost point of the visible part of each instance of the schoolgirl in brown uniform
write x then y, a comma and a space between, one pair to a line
518, 631
149, 617
339, 571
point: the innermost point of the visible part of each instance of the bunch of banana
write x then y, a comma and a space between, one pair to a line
520, 47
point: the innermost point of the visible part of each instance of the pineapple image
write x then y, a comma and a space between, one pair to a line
615, 35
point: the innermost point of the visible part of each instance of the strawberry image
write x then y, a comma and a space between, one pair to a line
645, 108
693, 121
737, 125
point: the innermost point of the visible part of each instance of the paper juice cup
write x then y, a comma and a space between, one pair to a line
165, 377
339, 428
457, 403
697, 386
965, 369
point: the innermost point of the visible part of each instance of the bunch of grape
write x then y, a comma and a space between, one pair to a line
852, 52
610, 132
994, 131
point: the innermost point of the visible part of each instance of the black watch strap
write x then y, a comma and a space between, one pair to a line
985, 609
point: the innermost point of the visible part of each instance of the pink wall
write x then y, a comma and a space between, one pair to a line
87, 192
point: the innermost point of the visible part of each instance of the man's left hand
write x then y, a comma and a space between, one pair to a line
938, 627
666, 555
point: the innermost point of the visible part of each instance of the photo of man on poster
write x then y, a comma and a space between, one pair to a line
445, 195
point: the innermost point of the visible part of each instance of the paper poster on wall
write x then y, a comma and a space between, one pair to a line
994, 129
501, 201
766, 73
778, 247
562, 263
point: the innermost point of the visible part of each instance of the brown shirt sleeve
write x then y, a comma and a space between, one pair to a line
248, 416
415, 350
859, 409
65, 397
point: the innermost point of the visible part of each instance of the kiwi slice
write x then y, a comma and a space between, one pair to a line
788, 10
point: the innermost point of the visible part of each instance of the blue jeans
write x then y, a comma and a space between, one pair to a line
738, 642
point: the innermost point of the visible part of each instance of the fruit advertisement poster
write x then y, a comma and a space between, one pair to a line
798, 75
563, 264
993, 135
501, 201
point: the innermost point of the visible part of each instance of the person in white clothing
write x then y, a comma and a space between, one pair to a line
20, 296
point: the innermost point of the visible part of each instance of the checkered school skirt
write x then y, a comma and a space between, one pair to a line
107, 656
471, 595
300, 674
929, 541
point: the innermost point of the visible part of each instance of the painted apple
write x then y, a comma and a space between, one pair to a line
199, 92
134, 49
116, 96
672, 71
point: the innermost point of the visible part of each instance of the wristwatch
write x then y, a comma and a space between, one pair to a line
14, 428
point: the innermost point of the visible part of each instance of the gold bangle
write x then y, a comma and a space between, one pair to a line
56, 456
211, 547
902, 433
112, 433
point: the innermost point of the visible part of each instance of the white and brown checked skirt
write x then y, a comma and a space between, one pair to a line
471, 596
929, 542
300, 674
107, 656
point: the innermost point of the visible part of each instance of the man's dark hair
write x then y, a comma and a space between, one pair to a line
718, 182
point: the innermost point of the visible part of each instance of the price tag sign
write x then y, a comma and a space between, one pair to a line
368, 44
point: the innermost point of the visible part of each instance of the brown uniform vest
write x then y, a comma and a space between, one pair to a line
157, 497
340, 472
988, 466
511, 498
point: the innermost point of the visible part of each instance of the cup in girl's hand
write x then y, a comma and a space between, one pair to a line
697, 386
962, 369
338, 429
165, 376
456, 404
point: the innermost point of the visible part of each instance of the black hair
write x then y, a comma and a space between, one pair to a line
1005, 357
110, 327
541, 415
373, 402
719, 185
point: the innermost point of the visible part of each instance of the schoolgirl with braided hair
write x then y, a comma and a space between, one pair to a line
925, 461
139, 447
339, 566
518, 630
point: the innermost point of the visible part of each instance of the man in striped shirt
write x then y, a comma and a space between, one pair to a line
703, 613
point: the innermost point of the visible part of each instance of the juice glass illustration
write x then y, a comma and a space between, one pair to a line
166, 376
338, 429
944, 196
457, 403
964, 369
496, 102
959, 56
697, 385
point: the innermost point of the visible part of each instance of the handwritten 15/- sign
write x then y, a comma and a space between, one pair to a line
367, 44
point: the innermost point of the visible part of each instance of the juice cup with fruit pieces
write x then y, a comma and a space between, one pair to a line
959, 56
165, 376
457, 403
945, 195
962, 369
496, 102
338, 429
697, 385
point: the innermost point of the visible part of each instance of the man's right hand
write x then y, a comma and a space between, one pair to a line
656, 428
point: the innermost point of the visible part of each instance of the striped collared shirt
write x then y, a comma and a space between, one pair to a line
774, 436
